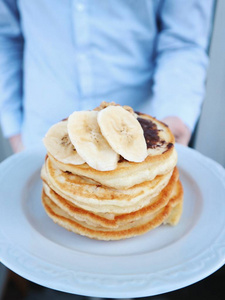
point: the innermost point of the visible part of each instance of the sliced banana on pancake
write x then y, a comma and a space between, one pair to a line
123, 132
85, 135
58, 144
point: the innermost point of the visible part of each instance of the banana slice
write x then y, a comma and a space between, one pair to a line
85, 135
123, 132
58, 144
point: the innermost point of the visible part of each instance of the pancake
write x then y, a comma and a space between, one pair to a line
162, 158
108, 219
127, 174
90, 195
174, 216
129, 230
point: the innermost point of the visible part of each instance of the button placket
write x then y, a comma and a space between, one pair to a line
81, 32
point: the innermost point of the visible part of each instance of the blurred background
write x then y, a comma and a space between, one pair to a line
208, 138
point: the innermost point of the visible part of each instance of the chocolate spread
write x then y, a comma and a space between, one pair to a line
151, 133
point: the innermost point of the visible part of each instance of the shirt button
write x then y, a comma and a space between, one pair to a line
80, 7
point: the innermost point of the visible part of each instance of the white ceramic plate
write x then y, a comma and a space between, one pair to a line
160, 261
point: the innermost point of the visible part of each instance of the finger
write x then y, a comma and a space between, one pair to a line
183, 140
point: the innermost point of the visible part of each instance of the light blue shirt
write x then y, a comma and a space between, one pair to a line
57, 56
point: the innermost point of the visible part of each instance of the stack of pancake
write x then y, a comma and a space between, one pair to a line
111, 201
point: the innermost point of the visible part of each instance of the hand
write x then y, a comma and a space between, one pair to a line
16, 143
181, 132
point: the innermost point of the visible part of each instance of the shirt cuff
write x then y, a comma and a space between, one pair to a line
11, 123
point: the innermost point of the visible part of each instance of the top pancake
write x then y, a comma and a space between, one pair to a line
161, 159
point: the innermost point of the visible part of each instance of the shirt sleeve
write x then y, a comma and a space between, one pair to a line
11, 61
181, 59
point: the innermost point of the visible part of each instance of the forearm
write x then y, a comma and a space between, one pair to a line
181, 60
11, 62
